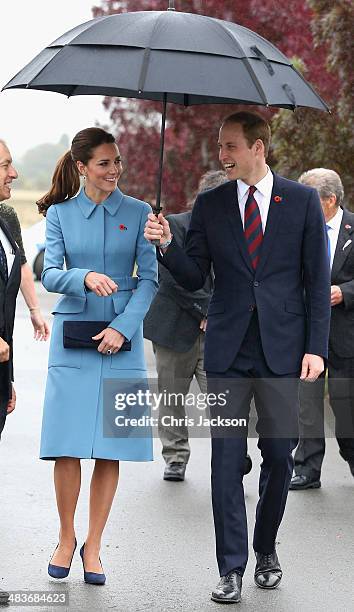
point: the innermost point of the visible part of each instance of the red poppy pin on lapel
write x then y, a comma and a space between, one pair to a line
277, 199
348, 227
122, 227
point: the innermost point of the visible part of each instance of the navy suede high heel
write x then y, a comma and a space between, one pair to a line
91, 577
58, 571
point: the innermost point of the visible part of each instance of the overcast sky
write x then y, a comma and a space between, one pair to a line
29, 117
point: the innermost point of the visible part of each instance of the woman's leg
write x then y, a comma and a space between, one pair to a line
67, 480
103, 487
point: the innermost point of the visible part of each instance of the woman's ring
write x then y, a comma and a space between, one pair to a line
109, 352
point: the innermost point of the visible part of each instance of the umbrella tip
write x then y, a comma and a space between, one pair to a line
171, 5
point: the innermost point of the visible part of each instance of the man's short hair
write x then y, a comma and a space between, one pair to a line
327, 182
254, 128
212, 179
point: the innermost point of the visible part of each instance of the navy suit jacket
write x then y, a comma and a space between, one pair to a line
290, 288
8, 294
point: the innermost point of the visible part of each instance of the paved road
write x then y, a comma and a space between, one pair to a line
158, 548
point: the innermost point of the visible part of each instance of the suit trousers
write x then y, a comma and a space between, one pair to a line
276, 401
311, 449
175, 373
3, 394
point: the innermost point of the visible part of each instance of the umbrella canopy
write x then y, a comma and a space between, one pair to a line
193, 59
170, 56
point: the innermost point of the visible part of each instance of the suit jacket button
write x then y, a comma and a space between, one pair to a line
252, 307
256, 284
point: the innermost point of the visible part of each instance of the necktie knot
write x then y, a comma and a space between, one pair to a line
251, 190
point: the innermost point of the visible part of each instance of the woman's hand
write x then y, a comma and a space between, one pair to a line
40, 326
111, 340
100, 284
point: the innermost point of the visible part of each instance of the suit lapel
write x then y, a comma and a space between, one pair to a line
14, 245
345, 234
234, 217
275, 213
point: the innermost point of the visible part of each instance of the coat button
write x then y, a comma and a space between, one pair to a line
252, 307
256, 284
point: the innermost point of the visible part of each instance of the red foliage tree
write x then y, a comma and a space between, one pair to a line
191, 134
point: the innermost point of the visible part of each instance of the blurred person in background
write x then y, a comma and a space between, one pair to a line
340, 365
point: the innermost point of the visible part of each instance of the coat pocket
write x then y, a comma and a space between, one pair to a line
216, 307
66, 308
295, 307
69, 304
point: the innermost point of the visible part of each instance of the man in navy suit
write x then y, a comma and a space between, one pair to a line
10, 276
268, 326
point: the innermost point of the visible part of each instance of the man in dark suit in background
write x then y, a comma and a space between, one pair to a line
10, 277
311, 449
268, 324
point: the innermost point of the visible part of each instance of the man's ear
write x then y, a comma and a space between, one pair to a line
259, 146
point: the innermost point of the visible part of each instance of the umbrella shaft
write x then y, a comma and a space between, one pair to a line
162, 144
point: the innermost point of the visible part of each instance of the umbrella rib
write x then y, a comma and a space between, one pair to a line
255, 80
146, 58
312, 89
246, 63
28, 86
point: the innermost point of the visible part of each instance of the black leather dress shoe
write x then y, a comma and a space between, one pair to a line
228, 589
299, 482
4, 597
267, 574
351, 466
174, 471
248, 465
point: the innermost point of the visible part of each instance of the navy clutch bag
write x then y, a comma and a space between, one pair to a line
78, 334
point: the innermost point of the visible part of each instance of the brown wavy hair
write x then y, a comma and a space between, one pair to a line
66, 177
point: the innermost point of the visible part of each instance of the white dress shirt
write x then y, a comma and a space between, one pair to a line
262, 196
333, 226
9, 252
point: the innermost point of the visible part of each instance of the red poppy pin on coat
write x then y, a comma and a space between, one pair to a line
277, 199
348, 227
122, 227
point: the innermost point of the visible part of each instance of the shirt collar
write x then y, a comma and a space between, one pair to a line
111, 205
264, 186
334, 223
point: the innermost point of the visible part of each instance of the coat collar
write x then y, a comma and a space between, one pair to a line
346, 234
111, 205
8, 234
16, 266
275, 213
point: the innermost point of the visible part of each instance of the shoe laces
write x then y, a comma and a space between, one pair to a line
268, 559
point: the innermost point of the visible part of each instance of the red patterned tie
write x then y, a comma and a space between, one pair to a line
253, 227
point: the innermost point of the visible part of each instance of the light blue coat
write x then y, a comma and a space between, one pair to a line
106, 238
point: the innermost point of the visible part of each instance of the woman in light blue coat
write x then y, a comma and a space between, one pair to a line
94, 240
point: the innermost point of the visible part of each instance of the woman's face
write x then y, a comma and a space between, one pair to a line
103, 170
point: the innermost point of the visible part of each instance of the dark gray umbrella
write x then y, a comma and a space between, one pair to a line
170, 56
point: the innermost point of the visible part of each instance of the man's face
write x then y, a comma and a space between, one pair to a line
7, 172
238, 159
